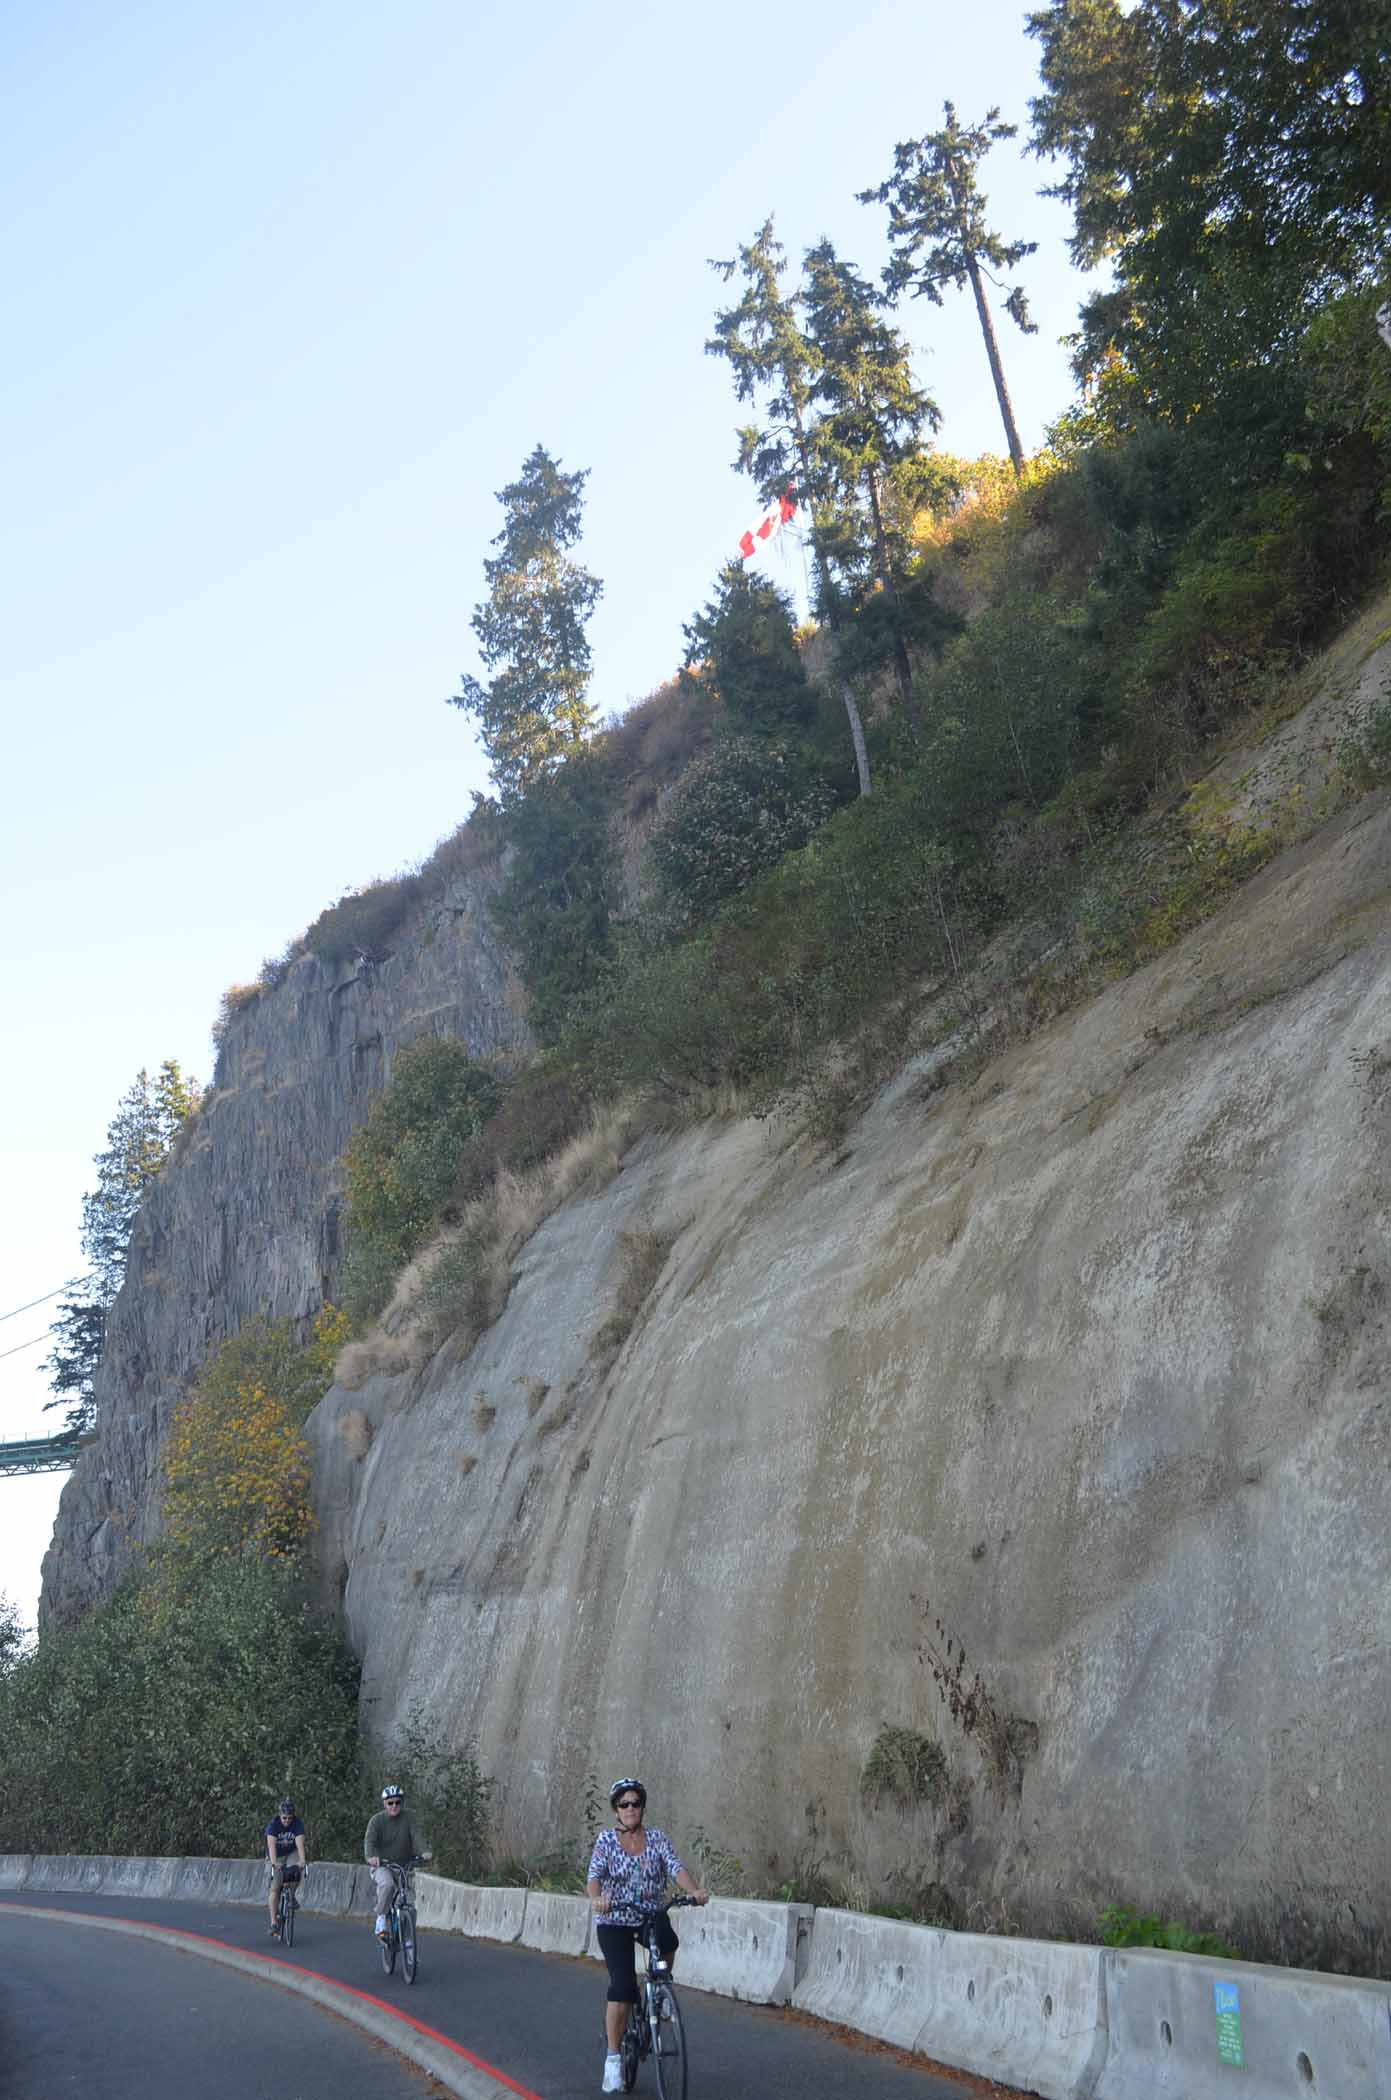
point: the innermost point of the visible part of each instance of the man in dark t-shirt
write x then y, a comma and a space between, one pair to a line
284, 1850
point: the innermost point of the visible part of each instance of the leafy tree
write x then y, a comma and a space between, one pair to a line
762, 340
869, 418
744, 639
533, 712
732, 815
938, 234
236, 1474
13, 1636
149, 1117
563, 890
167, 1718
1233, 162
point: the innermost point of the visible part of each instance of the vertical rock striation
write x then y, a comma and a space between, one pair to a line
244, 1218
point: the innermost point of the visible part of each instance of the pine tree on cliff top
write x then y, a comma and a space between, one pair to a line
148, 1119
868, 419
762, 340
939, 236
533, 711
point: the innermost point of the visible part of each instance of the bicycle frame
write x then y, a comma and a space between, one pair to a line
645, 2018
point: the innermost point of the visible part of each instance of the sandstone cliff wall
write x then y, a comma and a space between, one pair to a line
244, 1218
1093, 1359
1090, 1358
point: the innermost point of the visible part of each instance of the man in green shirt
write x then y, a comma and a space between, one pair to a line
389, 1840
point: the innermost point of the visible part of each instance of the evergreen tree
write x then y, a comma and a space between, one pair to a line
868, 420
762, 340
533, 712
1232, 161
148, 1119
744, 639
938, 234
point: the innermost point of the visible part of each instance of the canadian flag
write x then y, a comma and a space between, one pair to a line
776, 515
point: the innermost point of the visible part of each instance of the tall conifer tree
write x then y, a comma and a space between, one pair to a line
531, 635
938, 234
1233, 162
761, 339
868, 420
148, 1118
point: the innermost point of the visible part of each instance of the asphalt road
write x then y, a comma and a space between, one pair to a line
108, 2010
90, 2015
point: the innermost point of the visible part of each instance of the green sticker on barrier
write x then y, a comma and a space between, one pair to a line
1229, 2049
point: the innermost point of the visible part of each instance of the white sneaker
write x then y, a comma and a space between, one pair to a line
381, 1925
613, 2074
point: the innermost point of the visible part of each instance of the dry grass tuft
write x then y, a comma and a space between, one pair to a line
355, 1429
377, 1354
644, 1258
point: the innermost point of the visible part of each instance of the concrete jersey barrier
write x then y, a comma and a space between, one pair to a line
1064, 2021
870, 1973
1186, 2028
743, 1949
1029, 2012
556, 1924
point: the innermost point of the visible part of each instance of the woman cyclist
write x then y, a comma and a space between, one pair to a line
628, 1873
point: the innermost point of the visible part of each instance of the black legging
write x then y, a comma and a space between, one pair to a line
618, 1943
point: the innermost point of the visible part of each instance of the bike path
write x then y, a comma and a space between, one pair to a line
538, 2018
90, 2015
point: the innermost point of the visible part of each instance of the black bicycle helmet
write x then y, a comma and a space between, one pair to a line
393, 1793
627, 1786
287, 1808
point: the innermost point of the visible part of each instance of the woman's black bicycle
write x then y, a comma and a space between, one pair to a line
655, 2027
287, 1904
400, 1921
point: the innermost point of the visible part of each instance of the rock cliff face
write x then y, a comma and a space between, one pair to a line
1092, 1360
244, 1220
1088, 1360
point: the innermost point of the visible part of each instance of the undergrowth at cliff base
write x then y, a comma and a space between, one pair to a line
174, 1717
1120, 1927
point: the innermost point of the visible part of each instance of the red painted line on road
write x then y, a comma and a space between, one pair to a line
432, 2034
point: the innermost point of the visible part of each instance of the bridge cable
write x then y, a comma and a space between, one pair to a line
32, 1303
19, 1347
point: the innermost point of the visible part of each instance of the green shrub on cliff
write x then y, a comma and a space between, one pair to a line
401, 1164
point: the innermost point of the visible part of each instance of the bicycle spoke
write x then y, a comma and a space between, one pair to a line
668, 2043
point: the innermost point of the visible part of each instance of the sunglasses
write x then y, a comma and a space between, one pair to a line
629, 1804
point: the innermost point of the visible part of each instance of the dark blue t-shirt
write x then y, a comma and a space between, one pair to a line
284, 1835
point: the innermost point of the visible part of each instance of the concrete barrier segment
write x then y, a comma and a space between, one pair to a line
14, 1869
330, 1887
556, 1924
873, 1974
458, 1906
1030, 2013
68, 1873
1187, 2027
744, 1949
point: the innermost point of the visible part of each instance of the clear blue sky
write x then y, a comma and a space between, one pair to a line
291, 292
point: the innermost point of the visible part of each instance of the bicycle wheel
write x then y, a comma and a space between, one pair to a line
409, 1954
388, 1945
288, 1907
632, 2049
668, 2041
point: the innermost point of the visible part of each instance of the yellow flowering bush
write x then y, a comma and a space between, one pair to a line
236, 1471
236, 1462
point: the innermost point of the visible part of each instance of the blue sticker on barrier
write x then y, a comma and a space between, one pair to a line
1229, 2049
